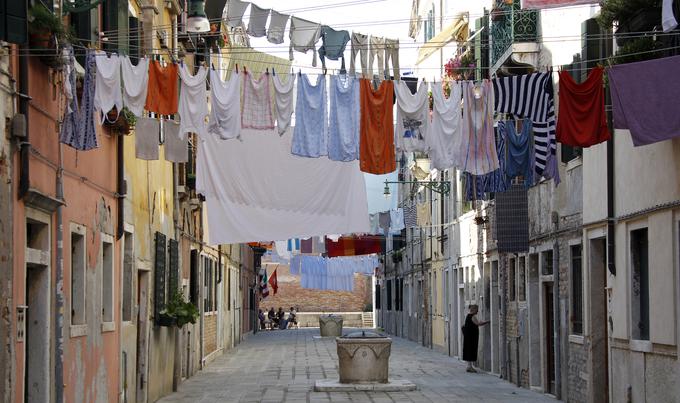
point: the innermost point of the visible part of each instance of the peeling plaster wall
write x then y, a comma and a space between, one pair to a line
7, 311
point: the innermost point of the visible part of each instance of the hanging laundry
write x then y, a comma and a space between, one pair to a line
306, 245
296, 197
176, 148
392, 53
512, 220
303, 37
518, 159
583, 122
668, 20
162, 93
333, 47
353, 245
107, 93
423, 214
479, 154
257, 25
643, 99
318, 245
235, 11
396, 220
256, 112
410, 216
415, 22
359, 45
283, 102
295, 263
374, 220
376, 50
225, 106
530, 96
345, 119
444, 140
277, 26
147, 131
78, 129
135, 84
477, 186
310, 134
384, 221
193, 102
413, 118
377, 153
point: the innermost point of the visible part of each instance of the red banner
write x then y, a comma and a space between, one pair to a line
541, 4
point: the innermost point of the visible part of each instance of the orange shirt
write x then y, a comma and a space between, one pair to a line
376, 150
162, 94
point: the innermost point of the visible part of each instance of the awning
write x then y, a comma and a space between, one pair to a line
457, 31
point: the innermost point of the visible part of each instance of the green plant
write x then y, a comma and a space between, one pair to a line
129, 117
181, 310
637, 50
621, 10
44, 21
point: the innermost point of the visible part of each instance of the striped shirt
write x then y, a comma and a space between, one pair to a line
530, 96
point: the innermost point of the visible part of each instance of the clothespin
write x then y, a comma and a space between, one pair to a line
181, 62
244, 70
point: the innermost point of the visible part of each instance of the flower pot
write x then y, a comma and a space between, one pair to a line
165, 320
40, 40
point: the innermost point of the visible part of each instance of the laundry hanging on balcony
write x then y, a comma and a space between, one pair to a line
644, 99
413, 118
583, 121
256, 189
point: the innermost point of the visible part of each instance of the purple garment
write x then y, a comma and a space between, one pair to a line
643, 99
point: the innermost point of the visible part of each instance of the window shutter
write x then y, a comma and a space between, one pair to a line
193, 280
159, 276
13, 21
173, 275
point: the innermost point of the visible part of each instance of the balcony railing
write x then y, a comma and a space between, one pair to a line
510, 24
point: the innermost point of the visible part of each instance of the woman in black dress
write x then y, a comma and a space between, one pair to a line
471, 337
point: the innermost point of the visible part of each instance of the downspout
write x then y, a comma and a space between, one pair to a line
24, 178
557, 331
504, 351
59, 274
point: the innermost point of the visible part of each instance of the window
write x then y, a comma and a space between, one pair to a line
428, 30
78, 276
128, 271
521, 283
640, 284
13, 21
512, 280
389, 295
377, 296
107, 278
209, 289
576, 290
547, 262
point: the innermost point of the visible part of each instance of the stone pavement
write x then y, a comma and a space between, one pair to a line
281, 366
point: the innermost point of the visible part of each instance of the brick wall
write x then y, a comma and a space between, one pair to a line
209, 333
291, 293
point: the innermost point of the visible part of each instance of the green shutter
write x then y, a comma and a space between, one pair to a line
159, 276
13, 22
173, 275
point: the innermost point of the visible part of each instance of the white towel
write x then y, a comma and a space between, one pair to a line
135, 84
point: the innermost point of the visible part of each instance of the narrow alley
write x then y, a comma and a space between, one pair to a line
281, 366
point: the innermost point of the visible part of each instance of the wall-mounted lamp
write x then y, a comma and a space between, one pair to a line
440, 187
197, 21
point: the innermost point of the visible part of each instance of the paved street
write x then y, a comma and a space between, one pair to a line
281, 366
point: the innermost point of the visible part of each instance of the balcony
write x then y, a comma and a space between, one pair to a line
514, 37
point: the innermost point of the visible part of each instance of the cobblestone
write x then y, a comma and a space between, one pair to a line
281, 366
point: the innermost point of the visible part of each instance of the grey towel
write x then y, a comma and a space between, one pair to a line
176, 149
146, 138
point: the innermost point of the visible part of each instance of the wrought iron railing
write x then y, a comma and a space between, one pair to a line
510, 24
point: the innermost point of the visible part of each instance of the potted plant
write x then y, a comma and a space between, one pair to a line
396, 257
632, 16
461, 67
124, 121
178, 311
45, 26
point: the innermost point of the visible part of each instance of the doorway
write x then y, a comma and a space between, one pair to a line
598, 320
549, 326
142, 334
495, 302
486, 306
533, 304
37, 372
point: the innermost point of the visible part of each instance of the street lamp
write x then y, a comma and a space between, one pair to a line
441, 187
197, 21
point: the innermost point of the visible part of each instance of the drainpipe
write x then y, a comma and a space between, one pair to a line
557, 331
24, 178
59, 274
504, 330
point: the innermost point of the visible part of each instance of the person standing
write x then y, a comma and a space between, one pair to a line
261, 318
271, 315
471, 337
